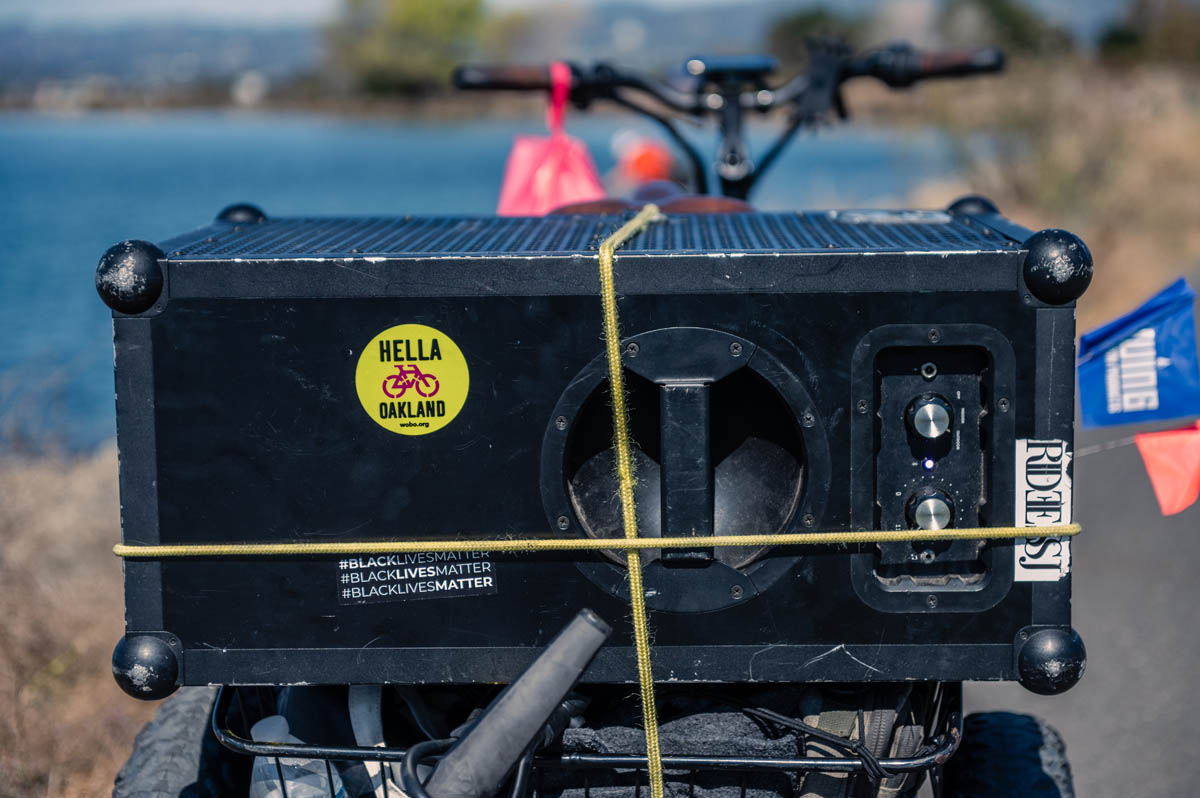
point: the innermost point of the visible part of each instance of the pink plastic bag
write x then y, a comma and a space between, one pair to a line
544, 172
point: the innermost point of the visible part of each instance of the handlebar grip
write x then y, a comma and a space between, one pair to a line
903, 65
963, 61
515, 77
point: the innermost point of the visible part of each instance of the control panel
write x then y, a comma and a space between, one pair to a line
932, 416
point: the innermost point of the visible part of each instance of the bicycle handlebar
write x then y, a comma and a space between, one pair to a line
739, 87
897, 66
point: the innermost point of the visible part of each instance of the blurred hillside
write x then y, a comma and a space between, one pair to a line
75, 68
405, 47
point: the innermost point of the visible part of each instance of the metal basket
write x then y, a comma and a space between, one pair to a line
241, 707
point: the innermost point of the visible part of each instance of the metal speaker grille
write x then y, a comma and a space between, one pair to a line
880, 231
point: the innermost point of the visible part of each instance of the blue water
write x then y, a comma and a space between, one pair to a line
72, 186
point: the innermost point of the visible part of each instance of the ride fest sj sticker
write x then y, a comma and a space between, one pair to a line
412, 379
1043, 498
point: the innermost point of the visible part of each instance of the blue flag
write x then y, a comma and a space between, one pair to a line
1142, 366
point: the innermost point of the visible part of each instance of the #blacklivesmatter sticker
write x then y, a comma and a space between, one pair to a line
423, 575
412, 379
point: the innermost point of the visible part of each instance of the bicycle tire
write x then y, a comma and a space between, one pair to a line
1005, 755
176, 755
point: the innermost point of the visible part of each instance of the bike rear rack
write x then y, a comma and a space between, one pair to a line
941, 743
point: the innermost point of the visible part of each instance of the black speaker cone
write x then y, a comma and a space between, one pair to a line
756, 449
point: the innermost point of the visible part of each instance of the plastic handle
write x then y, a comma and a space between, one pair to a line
513, 77
964, 61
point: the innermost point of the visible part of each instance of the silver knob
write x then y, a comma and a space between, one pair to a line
931, 419
932, 513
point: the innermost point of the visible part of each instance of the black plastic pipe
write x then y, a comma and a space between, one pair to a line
478, 764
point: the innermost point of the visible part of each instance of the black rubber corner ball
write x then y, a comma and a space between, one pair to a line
1058, 268
973, 204
1052, 661
129, 278
241, 213
145, 667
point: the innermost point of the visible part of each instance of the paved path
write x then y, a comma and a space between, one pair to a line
1133, 723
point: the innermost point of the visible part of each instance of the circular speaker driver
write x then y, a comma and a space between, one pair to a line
756, 449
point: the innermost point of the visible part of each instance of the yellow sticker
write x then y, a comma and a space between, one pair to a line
412, 379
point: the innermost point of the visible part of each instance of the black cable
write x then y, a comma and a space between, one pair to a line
858, 748
410, 780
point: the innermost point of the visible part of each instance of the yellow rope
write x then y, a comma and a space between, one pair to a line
631, 543
525, 545
620, 415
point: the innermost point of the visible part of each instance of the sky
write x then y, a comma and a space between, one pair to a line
258, 12
88, 12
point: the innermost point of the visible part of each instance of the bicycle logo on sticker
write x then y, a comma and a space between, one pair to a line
396, 385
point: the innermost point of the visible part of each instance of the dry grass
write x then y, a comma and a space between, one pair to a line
65, 727
1111, 156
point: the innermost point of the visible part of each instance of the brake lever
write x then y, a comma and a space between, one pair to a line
821, 90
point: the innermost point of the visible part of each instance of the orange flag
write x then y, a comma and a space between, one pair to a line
1172, 459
